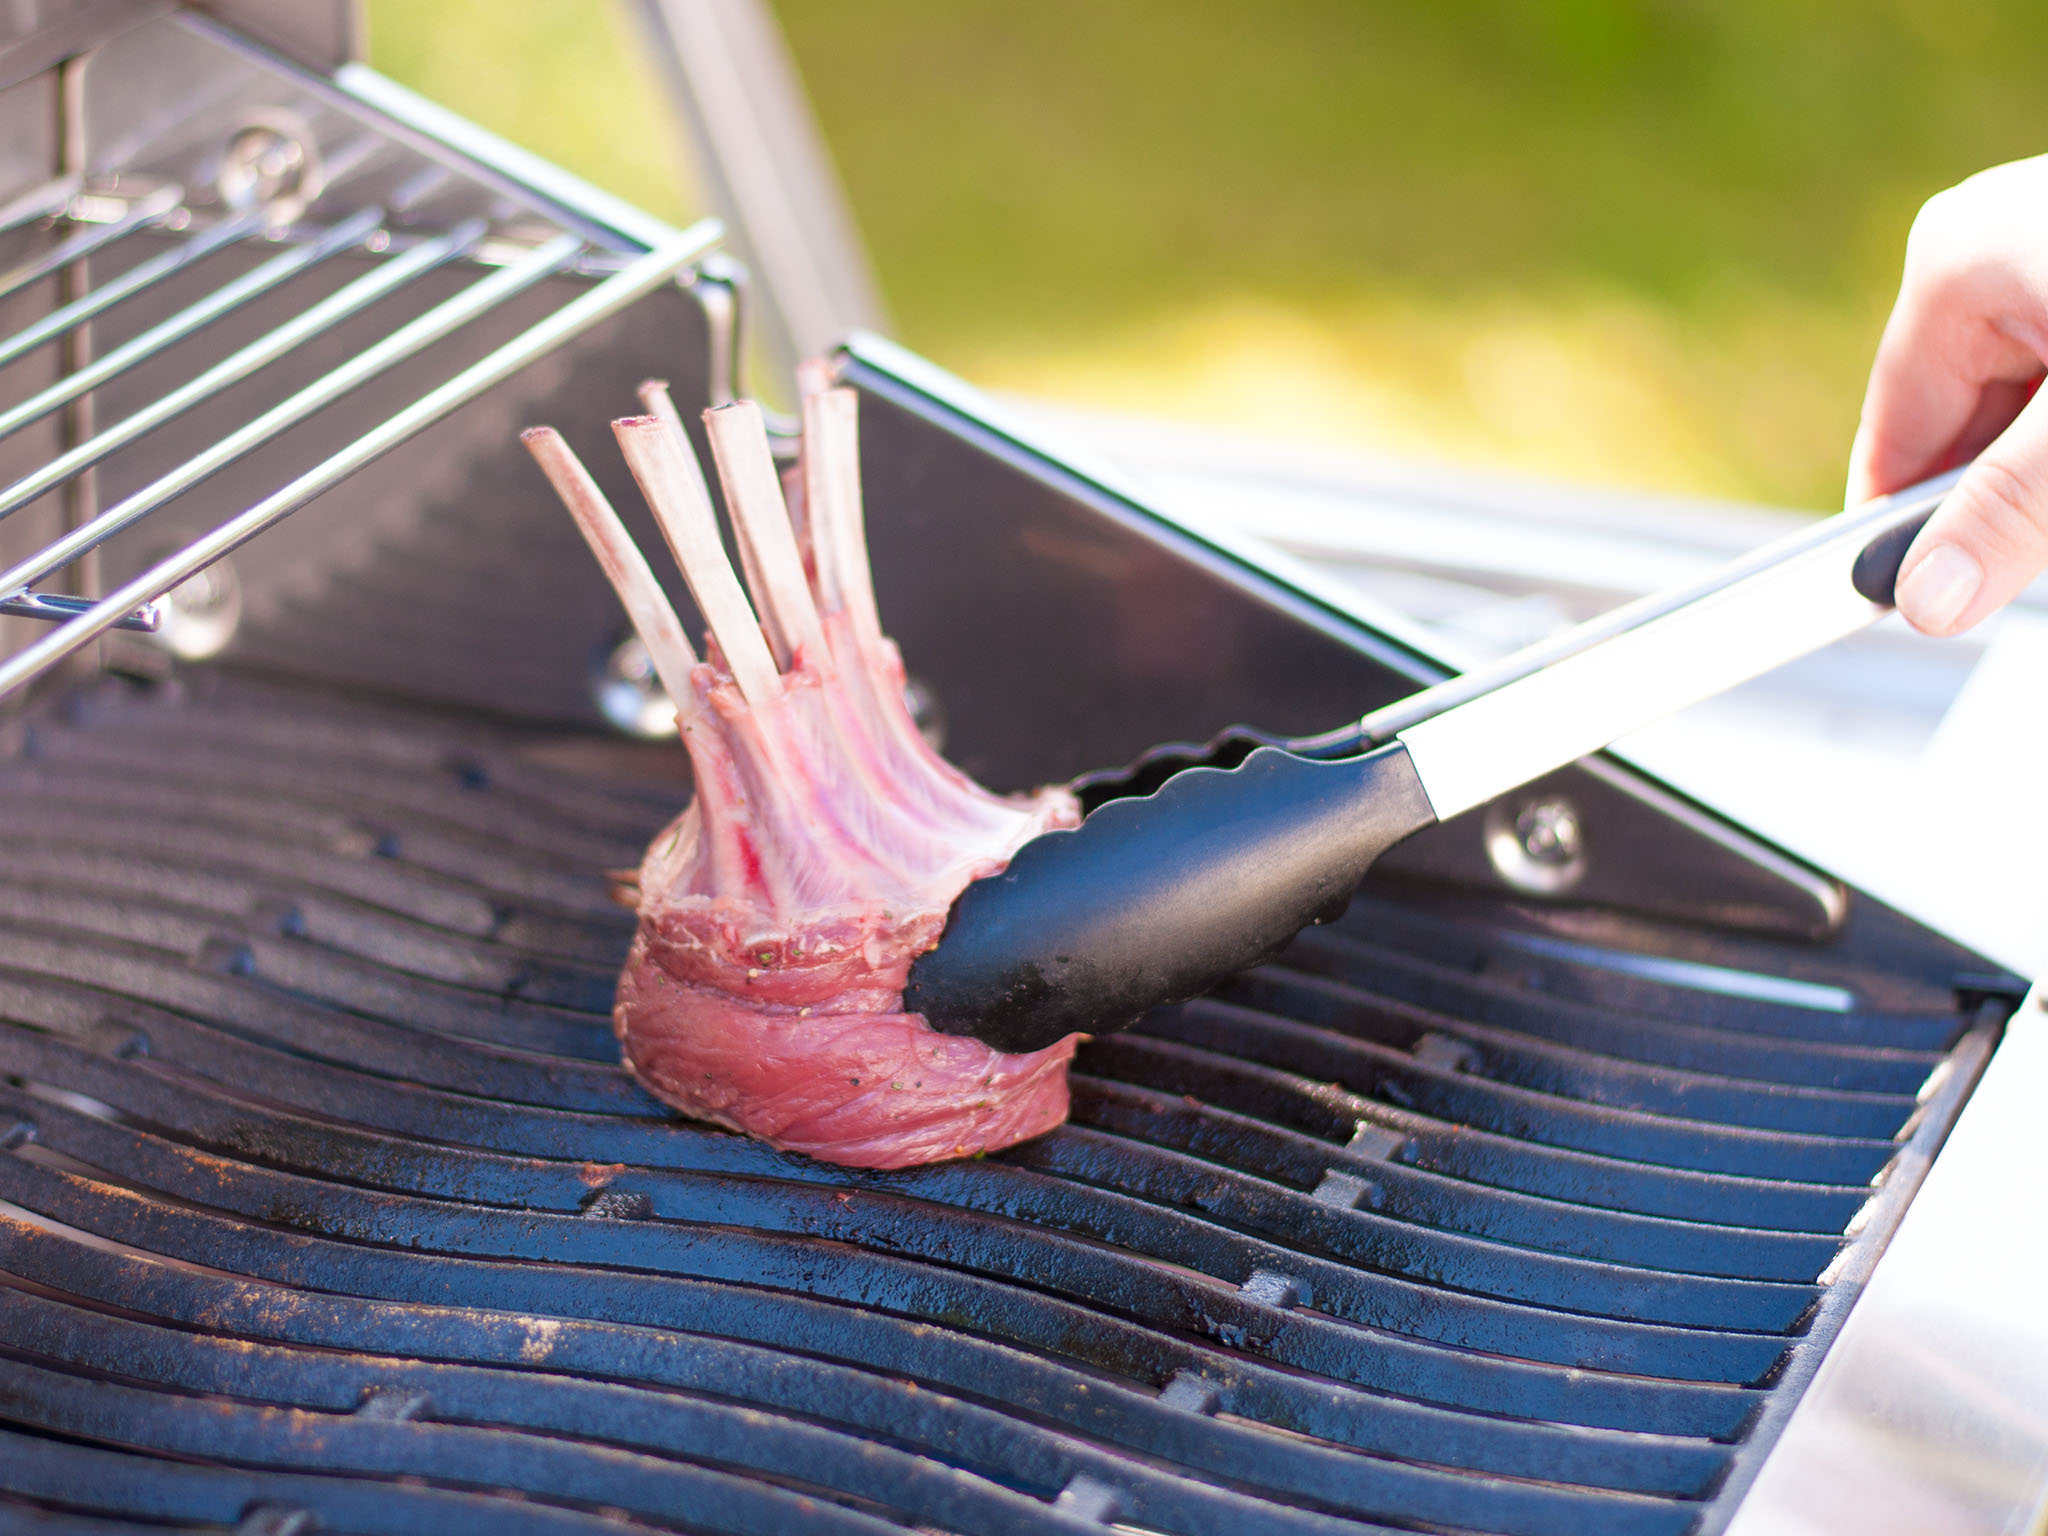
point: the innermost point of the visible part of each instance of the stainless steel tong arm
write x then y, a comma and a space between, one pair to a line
1482, 733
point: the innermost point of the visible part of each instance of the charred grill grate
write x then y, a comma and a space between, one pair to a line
326, 1204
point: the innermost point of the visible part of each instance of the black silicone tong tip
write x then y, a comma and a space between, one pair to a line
1156, 898
1147, 773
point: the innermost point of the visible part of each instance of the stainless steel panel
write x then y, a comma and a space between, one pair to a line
37, 35
320, 34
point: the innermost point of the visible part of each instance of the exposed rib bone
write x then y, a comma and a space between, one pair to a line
656, 400
813, 376
832, 497
623, 564
800, 525
753, 495
654, 396
674, 486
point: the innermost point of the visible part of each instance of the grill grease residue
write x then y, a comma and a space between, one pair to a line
327, 1196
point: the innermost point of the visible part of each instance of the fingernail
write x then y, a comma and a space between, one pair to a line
1935, 592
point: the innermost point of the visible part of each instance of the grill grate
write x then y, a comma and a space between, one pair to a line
327, 1200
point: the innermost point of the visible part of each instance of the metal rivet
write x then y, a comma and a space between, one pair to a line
925, 713
1549, 830
225, 955
279, 915
117, 1035
469, 772
629, 695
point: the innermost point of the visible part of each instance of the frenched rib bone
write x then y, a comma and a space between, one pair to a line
659, 455
779, 913
623, 564
753, 496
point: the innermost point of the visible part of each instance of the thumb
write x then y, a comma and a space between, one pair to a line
1989, 539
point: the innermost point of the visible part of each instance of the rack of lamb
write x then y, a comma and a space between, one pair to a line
780, 912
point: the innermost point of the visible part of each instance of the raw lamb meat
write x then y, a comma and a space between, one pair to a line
779, 914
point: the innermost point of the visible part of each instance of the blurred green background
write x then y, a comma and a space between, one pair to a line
1646, 242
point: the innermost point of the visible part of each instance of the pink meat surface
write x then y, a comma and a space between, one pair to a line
780, 912
779, 915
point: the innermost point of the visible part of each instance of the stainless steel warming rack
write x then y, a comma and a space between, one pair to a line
319, 175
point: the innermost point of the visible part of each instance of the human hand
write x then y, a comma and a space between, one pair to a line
1955, 376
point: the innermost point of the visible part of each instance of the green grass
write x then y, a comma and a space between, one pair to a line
1648, 243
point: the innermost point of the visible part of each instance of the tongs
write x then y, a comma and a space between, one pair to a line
1195, 863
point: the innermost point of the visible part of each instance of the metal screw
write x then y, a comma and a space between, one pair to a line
271, 163
1549, 830
629, 694
1537, 845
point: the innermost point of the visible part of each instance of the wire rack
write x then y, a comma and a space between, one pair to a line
337, 211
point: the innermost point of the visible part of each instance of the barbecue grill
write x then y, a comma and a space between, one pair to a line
1532, 1196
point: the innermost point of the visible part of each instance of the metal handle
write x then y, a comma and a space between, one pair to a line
1874, 519
1478, 735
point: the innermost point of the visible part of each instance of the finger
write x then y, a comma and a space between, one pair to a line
1920, 397
1998, 407
1989, 539
1998, 404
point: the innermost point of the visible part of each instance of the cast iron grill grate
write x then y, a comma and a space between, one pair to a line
326, 1204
